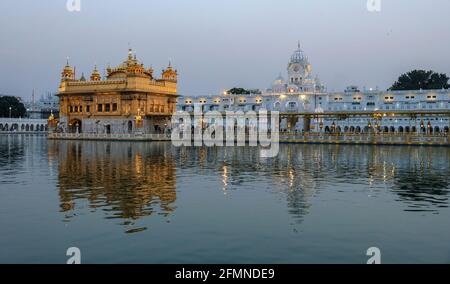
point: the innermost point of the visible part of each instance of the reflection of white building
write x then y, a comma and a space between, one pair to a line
302, 93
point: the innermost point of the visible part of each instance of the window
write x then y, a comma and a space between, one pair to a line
107, 107
71, 109
114, 107
100, 108
76, 108
81, 108
88, 108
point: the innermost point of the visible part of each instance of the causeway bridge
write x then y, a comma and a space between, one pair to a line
23, 125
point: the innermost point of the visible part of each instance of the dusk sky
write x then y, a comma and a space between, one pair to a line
222, 43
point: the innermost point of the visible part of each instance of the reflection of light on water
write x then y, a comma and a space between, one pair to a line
225, 179
291, 178
138, 163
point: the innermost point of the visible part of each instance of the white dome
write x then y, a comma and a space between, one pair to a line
298, 56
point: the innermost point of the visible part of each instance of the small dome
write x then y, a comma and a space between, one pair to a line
279, 80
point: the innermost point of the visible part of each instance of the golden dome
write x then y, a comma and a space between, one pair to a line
169, 73
96, 75
68, 72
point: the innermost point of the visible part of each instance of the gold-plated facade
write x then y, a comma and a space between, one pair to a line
112, 104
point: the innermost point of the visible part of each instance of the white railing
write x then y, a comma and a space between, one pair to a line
115, 136
305, 138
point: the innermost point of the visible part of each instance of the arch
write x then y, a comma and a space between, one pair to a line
413, 129
446, 129
22, 127
392, 129
327, 129
407, 129
27, 127
346, 129
130, 126
400, 129
6, 127
338, 129
352, 129
366, 129
292, 105
437, 129
358, 129
32, 127
385, 129
42, 127
1, 127
277, 105
14, 127
75, 126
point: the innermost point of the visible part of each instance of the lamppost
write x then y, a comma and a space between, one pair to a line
10, 109
333, 127
422, 126
429, 127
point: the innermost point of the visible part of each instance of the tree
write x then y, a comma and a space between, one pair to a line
17, 107
242, 91
421, 79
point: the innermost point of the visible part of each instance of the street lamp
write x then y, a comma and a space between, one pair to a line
10, 109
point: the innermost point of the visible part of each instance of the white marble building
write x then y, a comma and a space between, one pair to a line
305, 105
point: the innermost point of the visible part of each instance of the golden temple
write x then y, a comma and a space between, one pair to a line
128, 100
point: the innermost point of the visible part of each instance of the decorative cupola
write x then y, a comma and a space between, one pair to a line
149, 72
68, 72
82, 79
96, 75
169, 74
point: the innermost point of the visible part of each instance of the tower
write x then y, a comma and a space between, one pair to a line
298, 68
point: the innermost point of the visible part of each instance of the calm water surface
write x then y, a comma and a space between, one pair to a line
153, 203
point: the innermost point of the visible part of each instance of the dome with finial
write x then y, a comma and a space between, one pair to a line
169, 73
68, 72
131, 66
298, 56
96, 75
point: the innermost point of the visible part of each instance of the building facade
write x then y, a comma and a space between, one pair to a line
128, 100
306, 106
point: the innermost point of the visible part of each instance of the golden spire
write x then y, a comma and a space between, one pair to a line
68, 72
96, 75
130, 54
169, 74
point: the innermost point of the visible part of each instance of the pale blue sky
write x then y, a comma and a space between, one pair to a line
217, 44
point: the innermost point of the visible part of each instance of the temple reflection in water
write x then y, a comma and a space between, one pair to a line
134, 180
126, 180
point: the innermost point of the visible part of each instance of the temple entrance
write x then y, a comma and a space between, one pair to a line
108, 129
75, 126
